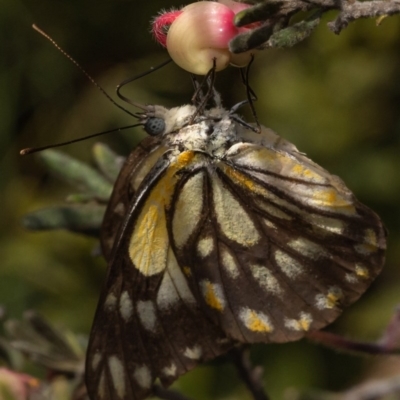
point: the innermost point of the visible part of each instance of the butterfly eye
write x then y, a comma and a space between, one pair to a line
154, 126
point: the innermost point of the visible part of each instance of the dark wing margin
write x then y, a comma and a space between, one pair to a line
140, 161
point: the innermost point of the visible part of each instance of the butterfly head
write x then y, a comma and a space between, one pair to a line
160, 121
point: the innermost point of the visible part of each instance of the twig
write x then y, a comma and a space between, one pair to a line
371, 390
389, 342
272, 18
167, 394
376, 389
251, 376
339, 342
367, 9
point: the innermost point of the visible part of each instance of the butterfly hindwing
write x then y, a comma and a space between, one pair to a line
280, 246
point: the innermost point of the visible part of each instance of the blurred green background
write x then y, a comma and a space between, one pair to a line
336, 97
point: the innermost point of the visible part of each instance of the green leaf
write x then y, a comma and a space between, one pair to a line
77, 174
85, 218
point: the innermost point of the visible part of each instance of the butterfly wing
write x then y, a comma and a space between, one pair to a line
148, 324
282, 246
260, 245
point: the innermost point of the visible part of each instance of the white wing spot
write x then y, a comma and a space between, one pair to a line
229, 263
307, 248
170, 370
234, 221
213, 294
370, 237
303, 172
269, 224
96, 360
370, 244
188, 209
142, 376
351, 278
205, 246
289, 266
167, 294
266, 279
193, 353
272, 210
329, 300
125, 306
102, 386
362, 249
302, 324
117, 375
119, 209
327, 198
328, 224
255, 321
174, 286
280, 202
147, 314
110, 303
362, 272
223, 341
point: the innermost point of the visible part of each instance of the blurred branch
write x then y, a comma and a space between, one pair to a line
351, 11
272, 20
375, 389
60, 353
389, 342
77, 174
371, 390
83, 212
251, 376
45, 345
166, 394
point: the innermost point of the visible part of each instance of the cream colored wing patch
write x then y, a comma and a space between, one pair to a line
233, 219
149, 244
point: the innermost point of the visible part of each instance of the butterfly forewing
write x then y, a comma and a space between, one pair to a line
148, 324
219, 236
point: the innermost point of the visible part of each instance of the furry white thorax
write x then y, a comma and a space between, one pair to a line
212, 132
215, 132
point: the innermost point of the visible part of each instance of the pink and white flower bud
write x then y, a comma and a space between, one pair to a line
199, 33
16, 385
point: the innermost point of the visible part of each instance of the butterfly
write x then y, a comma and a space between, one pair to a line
217, 235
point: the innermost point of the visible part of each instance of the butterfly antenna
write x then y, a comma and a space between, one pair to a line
129, 80
250, 94
62, 51
30, 150
201, 99
198, 94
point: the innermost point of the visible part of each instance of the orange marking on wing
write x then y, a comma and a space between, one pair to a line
255, 324
239, 178
211, 299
